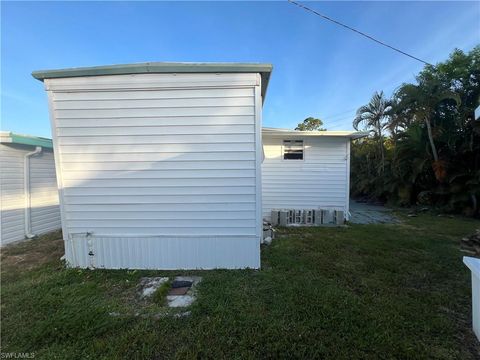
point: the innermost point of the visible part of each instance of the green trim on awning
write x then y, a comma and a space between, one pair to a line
161, 67
28, 140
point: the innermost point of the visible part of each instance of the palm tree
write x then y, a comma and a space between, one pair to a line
373, 116
423, 100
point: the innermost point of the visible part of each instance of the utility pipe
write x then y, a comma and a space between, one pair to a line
26, 191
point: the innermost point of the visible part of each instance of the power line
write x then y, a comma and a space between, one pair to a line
342, 115
338, 118
338, 121
339, 114
326, 121
330, 127
357, 31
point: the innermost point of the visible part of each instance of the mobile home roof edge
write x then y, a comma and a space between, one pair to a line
13, 138
161, 67
349, 134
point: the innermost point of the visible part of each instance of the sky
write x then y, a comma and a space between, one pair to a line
319, 68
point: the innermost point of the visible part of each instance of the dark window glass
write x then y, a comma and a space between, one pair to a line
293, 149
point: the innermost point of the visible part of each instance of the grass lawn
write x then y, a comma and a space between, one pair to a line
365, 291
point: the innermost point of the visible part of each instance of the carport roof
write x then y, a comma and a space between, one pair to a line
13, 138
349, 134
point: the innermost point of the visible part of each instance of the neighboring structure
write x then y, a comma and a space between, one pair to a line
159, 164
307, 171
29, 195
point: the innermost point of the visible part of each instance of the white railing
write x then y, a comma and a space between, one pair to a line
474, 265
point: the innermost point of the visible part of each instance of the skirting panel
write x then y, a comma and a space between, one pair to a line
162, 252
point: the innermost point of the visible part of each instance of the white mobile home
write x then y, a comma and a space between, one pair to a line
159, 164
29, 196
306, 171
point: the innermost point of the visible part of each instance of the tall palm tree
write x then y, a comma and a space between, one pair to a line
373, 116
422, 100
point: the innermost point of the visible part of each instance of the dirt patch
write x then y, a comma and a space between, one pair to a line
29, 254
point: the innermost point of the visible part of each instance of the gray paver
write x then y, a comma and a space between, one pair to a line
361, 213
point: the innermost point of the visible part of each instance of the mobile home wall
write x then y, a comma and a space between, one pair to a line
159, 171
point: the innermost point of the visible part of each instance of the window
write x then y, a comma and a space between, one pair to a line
292, 149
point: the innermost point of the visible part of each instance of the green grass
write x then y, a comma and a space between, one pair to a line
361, 292
160, 295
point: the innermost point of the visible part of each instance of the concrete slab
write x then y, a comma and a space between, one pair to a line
186, 299
148, 285
180, 301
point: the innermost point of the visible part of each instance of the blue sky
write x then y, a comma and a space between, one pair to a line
320, 69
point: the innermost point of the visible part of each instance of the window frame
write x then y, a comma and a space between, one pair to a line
283, 150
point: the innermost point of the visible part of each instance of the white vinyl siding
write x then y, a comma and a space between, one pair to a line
319, 181
162, 156
45, 213
12, 194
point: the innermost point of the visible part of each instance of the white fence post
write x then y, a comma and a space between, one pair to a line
474, 265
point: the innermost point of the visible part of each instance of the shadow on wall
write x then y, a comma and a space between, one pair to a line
37, 185
44, 219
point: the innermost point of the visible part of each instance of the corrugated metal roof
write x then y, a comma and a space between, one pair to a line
161, 67
13, 138
349, 134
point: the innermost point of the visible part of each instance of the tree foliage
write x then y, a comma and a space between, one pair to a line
430, 139
310, 124
373, 116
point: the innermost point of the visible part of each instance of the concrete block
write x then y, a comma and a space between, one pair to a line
339, 217
309, 217
327, 217
275, 214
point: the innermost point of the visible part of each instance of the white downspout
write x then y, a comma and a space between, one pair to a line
26, 191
